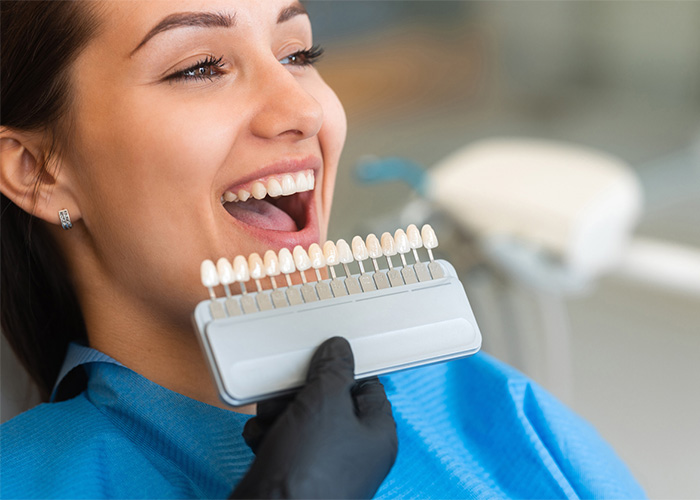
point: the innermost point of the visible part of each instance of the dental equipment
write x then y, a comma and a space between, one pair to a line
256, 352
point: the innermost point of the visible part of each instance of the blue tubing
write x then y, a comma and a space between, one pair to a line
390, 169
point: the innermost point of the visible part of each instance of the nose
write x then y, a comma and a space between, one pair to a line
285, 107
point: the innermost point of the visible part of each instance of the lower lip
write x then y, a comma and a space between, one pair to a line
274, 240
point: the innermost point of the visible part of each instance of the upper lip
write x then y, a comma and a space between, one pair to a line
283, 166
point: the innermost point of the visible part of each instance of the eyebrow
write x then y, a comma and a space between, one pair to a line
210, 20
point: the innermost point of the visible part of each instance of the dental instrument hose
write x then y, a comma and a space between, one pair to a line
336, 438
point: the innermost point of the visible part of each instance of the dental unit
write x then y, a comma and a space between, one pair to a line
259, 343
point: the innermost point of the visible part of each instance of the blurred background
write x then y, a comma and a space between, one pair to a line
421, 79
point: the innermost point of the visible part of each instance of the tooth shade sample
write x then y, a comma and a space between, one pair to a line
401, 241
288, 185
223, 267
414, 237
229, 196
258, 190
429, 238
330, 252
318, 261
388, 245
374, 248
301, 182
271, 263
344, 252
274, 188
240, 269
301, 258
359, 249
286, 261
243, 195
255, 264
210, 277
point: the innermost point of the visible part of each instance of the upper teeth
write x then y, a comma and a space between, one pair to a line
280, 185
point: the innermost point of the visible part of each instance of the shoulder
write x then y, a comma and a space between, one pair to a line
506, 432
63, 450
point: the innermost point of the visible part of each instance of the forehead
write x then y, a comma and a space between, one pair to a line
131, 20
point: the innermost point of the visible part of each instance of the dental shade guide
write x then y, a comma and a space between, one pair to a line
258, 344
430, 241
403, 247
303, 263
257, 272
352, 284
330, 252
227, 277
287, 267
374, 249
415, 241
318, 262
210, 279
359, 251
389, 249
272, 269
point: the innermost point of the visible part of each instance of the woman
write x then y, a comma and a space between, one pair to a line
141, 120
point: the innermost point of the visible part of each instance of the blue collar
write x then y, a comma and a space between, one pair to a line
79, 355
197, 447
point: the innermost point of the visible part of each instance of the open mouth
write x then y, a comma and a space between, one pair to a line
275, 203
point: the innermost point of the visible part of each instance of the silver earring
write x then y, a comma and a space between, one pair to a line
65, 219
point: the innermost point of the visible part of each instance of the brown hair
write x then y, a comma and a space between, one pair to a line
40, 312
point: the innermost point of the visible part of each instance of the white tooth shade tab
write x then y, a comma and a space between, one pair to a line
318, 261
301, 258
374, 248
429, 238
240, 269
286, 261
210, 277
388, 244
330, 252
271, 263
401, 241
255, 264
359, 249
274, 188
414, 237
288, 185
225, 271
344, 252
258, 190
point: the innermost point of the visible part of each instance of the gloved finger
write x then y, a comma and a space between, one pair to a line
370, 399
331, 375
270, 409
333, 362
256, 428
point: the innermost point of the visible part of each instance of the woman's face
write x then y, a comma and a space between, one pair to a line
180, 105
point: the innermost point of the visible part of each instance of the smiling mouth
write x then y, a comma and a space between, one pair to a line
275, 203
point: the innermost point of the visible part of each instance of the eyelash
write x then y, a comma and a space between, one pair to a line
306, 57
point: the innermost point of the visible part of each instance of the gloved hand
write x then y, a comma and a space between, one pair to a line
336, 438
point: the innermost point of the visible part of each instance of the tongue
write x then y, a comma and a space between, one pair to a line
262, 214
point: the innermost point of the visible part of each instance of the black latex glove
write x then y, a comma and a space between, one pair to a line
334, 439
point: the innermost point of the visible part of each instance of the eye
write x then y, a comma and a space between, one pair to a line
305, 57
206, 69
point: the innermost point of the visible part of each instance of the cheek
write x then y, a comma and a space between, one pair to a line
149, 169
332, 138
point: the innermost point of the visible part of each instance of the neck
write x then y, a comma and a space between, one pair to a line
150, 340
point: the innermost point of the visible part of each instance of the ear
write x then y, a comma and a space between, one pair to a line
37, 188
